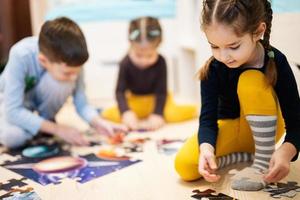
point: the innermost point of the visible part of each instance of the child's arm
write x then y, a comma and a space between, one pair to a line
161, 87
14, 93
280, 162
156, 119
288, 96
207, 163
129, 118
89, 114
68, 134
208, 128
121, 88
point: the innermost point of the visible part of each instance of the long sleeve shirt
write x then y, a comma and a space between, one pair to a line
19, 107
152, 80
220, 99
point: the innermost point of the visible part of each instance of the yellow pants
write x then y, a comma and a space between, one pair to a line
143, 106
234, 134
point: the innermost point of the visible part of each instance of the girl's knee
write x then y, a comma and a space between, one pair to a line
252, 82
255, 94
187, 170
179, 113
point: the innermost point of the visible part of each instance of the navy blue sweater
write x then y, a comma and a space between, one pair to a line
220, 100
152, 80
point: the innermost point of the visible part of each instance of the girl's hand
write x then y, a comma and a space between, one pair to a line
130, 119
207, 163
280, 163
153, 122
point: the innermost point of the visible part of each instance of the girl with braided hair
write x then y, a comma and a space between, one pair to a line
249, 99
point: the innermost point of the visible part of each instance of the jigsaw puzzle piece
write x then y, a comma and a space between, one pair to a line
6, 158
20, 194
279, 190
210, 195
12, 183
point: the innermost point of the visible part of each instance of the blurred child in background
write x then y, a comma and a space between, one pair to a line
141, 92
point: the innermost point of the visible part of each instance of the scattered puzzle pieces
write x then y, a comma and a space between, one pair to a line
15, 189
169, 146
279, 190
117, 138
18, 194
210, 195
111, 154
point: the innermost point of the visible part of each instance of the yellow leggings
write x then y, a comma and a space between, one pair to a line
143, 106
234, 134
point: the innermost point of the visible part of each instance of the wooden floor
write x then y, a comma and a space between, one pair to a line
152, 179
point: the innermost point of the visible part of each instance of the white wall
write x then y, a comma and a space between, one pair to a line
285, 34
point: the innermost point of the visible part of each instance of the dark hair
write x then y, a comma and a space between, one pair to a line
145, 29
244, 16
61, 40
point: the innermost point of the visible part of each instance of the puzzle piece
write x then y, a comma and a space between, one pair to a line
134, 145
279, 190
117, 138
44, 139
210, 194
18, 194
4, 158
169, 146
63, 180
12, 183
132, 148
95, 143
17, 190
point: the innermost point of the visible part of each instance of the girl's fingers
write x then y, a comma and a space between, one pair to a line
207, 175
279, 176
211, 177
271, 175
212, 163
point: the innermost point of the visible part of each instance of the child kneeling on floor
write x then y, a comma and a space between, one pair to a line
249, 99
40, 75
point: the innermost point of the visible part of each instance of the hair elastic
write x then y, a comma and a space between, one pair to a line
134, 34
154, 33
271, 54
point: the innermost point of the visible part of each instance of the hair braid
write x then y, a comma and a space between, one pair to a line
271, 72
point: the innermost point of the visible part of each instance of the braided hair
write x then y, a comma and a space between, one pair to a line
244, 16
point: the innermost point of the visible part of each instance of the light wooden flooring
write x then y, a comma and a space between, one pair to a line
152, 179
